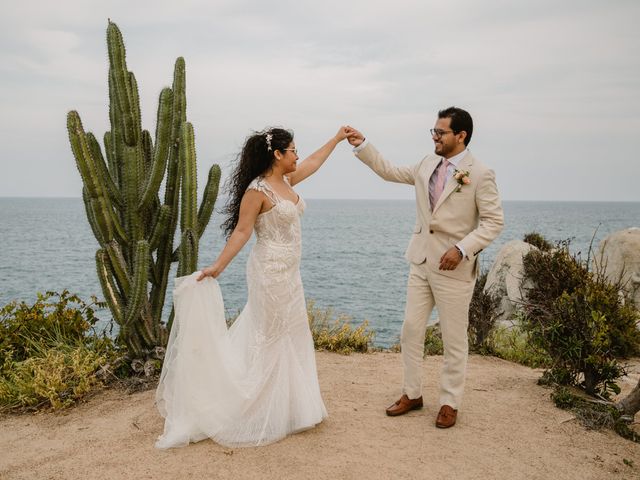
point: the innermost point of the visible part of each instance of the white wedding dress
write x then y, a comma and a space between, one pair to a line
256, 382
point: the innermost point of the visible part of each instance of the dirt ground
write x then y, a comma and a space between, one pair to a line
508, 428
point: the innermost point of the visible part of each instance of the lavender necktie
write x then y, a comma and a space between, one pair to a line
441, 179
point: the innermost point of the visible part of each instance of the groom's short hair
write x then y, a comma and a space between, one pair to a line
460, 121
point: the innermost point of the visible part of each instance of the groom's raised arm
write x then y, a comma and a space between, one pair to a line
368, 154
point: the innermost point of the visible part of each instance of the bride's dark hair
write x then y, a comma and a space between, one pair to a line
256, 158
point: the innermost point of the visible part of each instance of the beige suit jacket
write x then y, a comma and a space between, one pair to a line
471, 217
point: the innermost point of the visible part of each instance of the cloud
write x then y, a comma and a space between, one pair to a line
552, 86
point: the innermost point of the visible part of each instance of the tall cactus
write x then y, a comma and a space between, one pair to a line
134, 228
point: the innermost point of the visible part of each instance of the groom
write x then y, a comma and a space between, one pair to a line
458, 214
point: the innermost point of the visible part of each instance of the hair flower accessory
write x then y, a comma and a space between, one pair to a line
268, 137
462, 177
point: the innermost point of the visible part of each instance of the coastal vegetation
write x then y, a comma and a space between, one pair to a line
52, 355
538, 241
579, 318
336, 333
572, 322
50, 352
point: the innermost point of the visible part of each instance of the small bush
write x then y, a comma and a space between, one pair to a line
538, 241
337, 334
50, 353
55, 377
433, 341
515, 345
578, 318
483, 312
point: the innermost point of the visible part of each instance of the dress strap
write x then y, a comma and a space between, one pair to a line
261, 185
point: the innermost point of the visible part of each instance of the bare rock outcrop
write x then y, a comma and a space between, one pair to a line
618, 256
506, 276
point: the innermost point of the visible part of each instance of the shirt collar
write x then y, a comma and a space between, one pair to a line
456, 158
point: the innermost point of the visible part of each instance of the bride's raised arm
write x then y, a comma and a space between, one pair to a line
313, 162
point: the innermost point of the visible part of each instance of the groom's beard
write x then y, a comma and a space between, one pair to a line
440, 149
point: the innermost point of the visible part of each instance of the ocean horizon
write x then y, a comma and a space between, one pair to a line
352, 259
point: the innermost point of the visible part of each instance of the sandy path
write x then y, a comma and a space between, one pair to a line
508, 429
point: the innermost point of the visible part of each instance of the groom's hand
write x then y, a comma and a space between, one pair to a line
451, 259
354, 137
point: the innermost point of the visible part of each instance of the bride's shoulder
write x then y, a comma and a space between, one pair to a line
257, 183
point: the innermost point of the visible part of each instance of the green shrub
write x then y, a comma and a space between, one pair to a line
50, 353
433, 341
514, 344
538, 241
483, 311
579, 319
337, 334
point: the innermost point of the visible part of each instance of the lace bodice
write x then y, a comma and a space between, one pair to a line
281, 224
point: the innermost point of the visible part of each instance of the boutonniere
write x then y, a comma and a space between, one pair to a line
462, 177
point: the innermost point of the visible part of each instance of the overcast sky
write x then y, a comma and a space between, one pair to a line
553, 86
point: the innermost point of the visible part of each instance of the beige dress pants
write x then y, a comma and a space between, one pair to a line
451, 297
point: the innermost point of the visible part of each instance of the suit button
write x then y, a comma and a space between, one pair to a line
430, 231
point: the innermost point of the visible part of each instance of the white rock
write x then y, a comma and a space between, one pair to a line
618, 256
505, 278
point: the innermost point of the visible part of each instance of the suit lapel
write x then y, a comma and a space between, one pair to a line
452, 184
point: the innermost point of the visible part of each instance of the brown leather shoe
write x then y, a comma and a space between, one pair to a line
404, 405
446, 417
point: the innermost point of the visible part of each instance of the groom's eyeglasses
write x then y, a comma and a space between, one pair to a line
436, 132
294, 150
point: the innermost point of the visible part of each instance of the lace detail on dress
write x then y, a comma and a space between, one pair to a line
255, 382
261, 185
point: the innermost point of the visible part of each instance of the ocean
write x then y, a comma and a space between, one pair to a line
352, 258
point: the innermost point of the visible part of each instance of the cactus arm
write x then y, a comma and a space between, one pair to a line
189, 202
209, 199
104, 179
119, 267
131, 182
160, 228
122, 85
109, 290
103, 211
177, 118
103, 172
90, 216
163, 142
117, 142
147, 150
135, 105
147, 328
188, 253
138, 293
111, 157
172, 185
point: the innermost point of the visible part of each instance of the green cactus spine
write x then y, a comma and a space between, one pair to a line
134, 228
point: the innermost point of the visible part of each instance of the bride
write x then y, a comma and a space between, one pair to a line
256, 382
